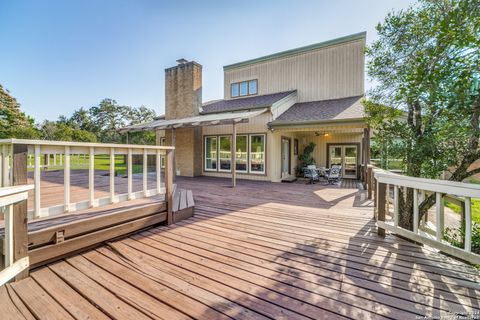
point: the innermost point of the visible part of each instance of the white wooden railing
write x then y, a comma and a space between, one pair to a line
11, 266
379, 183
65, 156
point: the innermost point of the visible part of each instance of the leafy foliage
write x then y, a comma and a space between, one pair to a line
98, 123
13, 122
425, 63
306, 158
456, 236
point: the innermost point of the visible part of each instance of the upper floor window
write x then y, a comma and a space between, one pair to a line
244, 88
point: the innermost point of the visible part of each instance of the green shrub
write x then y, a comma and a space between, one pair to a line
455, 237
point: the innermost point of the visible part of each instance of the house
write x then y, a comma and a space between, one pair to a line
275, 105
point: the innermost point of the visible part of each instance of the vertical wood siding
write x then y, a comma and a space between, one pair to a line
326, 73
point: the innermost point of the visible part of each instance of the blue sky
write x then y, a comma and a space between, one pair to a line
57, 56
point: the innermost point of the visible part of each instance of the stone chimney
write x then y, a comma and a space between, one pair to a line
183, 90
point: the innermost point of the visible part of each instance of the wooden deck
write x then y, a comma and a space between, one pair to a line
262, 250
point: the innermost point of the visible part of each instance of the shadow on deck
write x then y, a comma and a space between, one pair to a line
261, 250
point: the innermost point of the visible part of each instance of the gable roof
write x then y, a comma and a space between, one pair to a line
251, 102
323, 110
352, 37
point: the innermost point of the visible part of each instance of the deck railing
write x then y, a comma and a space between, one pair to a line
41, 155
379, 183
15, 259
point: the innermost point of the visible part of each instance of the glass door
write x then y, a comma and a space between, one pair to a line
285, 156
350, 162
345, 156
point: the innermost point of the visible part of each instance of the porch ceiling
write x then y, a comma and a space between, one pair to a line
352, 127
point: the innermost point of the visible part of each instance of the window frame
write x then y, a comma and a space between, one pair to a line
205, 154
249, 158
264, 154
238, 85
248, 153
256, 87
219, 157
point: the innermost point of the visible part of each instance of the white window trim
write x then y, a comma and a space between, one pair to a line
205, 154
238, 84
248, 154
219, 158
250, 151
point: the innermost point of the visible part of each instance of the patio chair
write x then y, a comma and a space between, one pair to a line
335, 174
310, 172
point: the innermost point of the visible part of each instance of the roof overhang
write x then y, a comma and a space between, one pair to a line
314, 123
212, 119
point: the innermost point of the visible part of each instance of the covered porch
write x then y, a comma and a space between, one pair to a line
342, 144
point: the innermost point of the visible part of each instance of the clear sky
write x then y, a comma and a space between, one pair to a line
57, 55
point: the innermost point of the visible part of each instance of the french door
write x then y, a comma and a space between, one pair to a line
345, 156
285, 156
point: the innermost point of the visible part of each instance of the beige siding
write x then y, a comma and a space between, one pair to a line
257, 124
325, 73
275, 162
283, 105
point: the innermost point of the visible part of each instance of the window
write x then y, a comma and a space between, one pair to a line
244, 88
257, 153
234, 89
241, 154
249, 153
210, 153
225, 153
252, 87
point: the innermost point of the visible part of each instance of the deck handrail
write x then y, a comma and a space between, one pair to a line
63, 151
379, 182
11, 266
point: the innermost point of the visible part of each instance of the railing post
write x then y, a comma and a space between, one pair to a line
396, 199
36, 181
169, 184
468, 224
129, 174
439, 216
5, 165
145, 172
158, 170
91, 176
66, 181
415, 211
20, 228
369, 182
112, 175
381, 206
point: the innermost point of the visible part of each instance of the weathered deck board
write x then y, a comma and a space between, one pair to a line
261, 250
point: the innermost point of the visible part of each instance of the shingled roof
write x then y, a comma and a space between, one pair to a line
252, 102
323, 110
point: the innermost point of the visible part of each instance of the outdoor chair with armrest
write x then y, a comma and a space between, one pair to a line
335, 174
310, 172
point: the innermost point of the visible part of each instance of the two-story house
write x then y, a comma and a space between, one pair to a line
274, 106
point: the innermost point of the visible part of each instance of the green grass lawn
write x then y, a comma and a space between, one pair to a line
475, 209
102, 162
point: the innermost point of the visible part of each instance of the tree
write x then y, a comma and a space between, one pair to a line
60, 131
13, 122
426, 63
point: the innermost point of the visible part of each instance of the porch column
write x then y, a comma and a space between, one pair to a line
365, 153
174, 155
234, 151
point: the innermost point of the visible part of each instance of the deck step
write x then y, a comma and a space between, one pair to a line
183, 204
